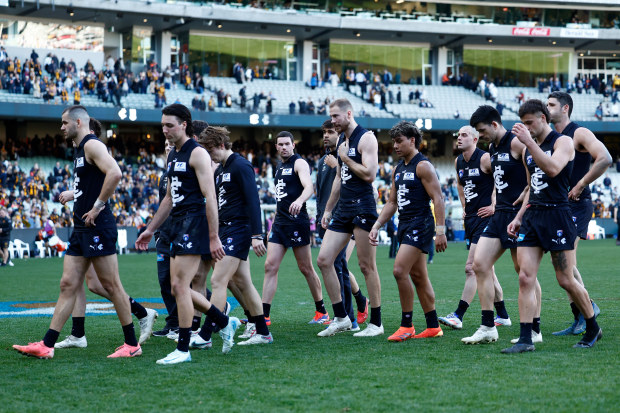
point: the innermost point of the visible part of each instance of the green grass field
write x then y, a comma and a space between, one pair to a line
302, 372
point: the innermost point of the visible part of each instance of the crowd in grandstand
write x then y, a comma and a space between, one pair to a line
32, 196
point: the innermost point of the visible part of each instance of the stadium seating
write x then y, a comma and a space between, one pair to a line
286, 92
446, 101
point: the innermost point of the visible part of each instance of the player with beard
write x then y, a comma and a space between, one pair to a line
93, 240
355, 213
291, 227
588, 151
324, 180
77, 338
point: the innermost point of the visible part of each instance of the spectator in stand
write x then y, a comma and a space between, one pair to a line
199, 84
302, 106
220, 98
196, 102
314, 81
500, 108
361, 79
268, 199
598, 113
243, 96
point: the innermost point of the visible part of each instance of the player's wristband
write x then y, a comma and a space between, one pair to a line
440, 230
258, 237
99, 204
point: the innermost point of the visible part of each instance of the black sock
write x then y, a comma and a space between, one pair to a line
266, 309
137, 309
487, 318
320, 307
575, 310
207, 329
209, 294
405, 320
360, 301
536, 325
431, 319
592, 328
196, 322
247, 314
526, 333
184, 334
50, 338
375, 316
261, 325
77, 329
339, 310
500, 309
130, 335
219, 318
460, 311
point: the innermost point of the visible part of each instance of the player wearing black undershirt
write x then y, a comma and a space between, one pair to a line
239, 228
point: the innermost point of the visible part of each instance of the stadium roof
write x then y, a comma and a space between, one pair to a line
122, 15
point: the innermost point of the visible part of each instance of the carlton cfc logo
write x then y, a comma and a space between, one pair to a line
185, 237
95, 239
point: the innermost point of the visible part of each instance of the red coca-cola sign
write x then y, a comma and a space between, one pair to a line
531, 31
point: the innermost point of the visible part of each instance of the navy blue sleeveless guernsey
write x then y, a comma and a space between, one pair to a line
582, 162
87, 184
186, 195
412, 199
547, 192
508, 173
237, 196
288, 189
477, 185
352, 186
